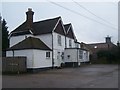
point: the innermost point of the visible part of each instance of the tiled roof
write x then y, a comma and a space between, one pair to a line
41, 27
69, 31
67, 27
101, 45
95, 47
30, 43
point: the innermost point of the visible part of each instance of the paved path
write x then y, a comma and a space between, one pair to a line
87, 76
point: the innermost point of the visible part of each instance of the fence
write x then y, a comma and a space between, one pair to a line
14, 64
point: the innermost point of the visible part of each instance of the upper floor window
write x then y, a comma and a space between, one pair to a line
86, 55
80, 54
59, 40
70, 43
77, 45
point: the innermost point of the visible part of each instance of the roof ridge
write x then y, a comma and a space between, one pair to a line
97, 43
47, 19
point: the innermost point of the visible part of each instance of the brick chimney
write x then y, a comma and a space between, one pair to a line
29, 18
108, 39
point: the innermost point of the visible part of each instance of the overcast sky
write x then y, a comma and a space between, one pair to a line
87, 27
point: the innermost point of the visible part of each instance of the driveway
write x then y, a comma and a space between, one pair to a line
86, 76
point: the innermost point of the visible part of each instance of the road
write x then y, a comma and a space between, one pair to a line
86, 76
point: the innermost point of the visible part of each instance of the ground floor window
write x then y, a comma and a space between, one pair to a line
80, 54
47, 54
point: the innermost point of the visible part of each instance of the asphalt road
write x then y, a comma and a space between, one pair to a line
86, 76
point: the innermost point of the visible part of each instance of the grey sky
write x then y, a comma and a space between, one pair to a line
85, 30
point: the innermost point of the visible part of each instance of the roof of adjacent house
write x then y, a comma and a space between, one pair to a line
30, 43
102, 45
78, 48
95, 47
69, 31
38, 28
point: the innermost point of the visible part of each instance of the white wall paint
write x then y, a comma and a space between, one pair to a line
35, 58
27, 53
85, 56
55, 41
46, 38
57, 48
67, 42
40, 60
73, 55
15, 39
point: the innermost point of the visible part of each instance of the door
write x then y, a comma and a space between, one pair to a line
58, 58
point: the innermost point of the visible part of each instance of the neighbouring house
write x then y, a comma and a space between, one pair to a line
94, 48
51, 32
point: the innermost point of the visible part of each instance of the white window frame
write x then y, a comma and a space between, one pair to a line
59, 40
70, 43
48, 54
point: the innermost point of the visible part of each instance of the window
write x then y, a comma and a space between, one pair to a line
86, 55
62, 55
59, 40
70, 43
77, 45
80, 54
68, 56
47, 54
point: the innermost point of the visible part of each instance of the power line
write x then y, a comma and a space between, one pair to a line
91, 12
80, 14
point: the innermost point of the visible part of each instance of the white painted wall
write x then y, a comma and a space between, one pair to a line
85, 56
46, 38
27, 53
55, 41
67, 43
57, 57
15, 39
40, 60
57, 48
73, 55
35, 58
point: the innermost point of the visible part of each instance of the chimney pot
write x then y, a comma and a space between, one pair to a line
29, 9
108, 39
